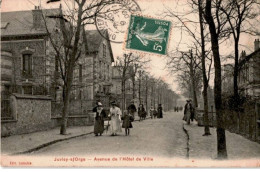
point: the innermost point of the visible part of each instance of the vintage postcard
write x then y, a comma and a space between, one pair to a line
130, 83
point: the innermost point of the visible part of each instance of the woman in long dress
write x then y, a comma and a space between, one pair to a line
99, 119
115, 114
160, 111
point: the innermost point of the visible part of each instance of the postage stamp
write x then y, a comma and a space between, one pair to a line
148, 34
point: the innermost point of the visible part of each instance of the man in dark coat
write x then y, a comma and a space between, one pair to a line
132, 109
141, 112
160, 111
188, 111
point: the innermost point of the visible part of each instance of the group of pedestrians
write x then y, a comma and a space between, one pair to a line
156, 113
115, 117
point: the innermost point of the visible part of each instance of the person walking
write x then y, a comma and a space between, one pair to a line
152, 112
141, 112
155, 113
188, 111
132, 109
192, 115
99, 119
115, 114
160, 111
127, 122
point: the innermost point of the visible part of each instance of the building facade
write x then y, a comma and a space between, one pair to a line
29, 67
249, 72
227, 79
93, 73
25, 60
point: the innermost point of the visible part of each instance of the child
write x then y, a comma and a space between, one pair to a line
127, 122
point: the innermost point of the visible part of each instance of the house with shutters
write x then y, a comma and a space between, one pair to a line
93, 74
26, 63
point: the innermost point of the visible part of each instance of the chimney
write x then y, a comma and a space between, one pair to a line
37, 18
257, 44
243, 55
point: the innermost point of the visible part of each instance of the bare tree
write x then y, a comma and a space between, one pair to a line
186, 62
140, 63
68, 45
204, 70
125, 66
239, 14
197, 8
216, 24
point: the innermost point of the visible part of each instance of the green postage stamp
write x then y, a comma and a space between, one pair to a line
148, 34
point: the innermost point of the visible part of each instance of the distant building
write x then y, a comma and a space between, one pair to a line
98, 75
249, 72
116, 89
227, 79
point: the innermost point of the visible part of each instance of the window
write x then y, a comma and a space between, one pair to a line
104, 50
27, 64
80, 73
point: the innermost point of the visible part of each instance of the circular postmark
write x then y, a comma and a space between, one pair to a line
112, 19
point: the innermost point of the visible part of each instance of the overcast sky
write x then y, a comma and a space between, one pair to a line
153, 8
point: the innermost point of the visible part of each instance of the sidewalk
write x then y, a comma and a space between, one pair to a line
205, 147
26, 143
29, 142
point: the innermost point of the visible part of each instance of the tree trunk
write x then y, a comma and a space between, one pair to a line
146, 94
133, 87
236, 96
66, 100
139, 91
193, 85
123, 95
205, 79
221, 137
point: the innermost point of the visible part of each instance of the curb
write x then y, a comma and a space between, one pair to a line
188, 141
49, 143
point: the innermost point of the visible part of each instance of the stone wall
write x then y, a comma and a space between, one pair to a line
30, 114
33, 113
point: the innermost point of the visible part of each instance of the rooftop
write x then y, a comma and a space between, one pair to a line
20, 23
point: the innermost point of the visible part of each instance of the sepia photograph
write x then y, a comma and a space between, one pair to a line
130, 83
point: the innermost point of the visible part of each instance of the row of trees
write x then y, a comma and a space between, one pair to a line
147, 89
68, 46
218, 21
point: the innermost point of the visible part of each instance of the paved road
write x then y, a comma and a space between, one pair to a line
152, 137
